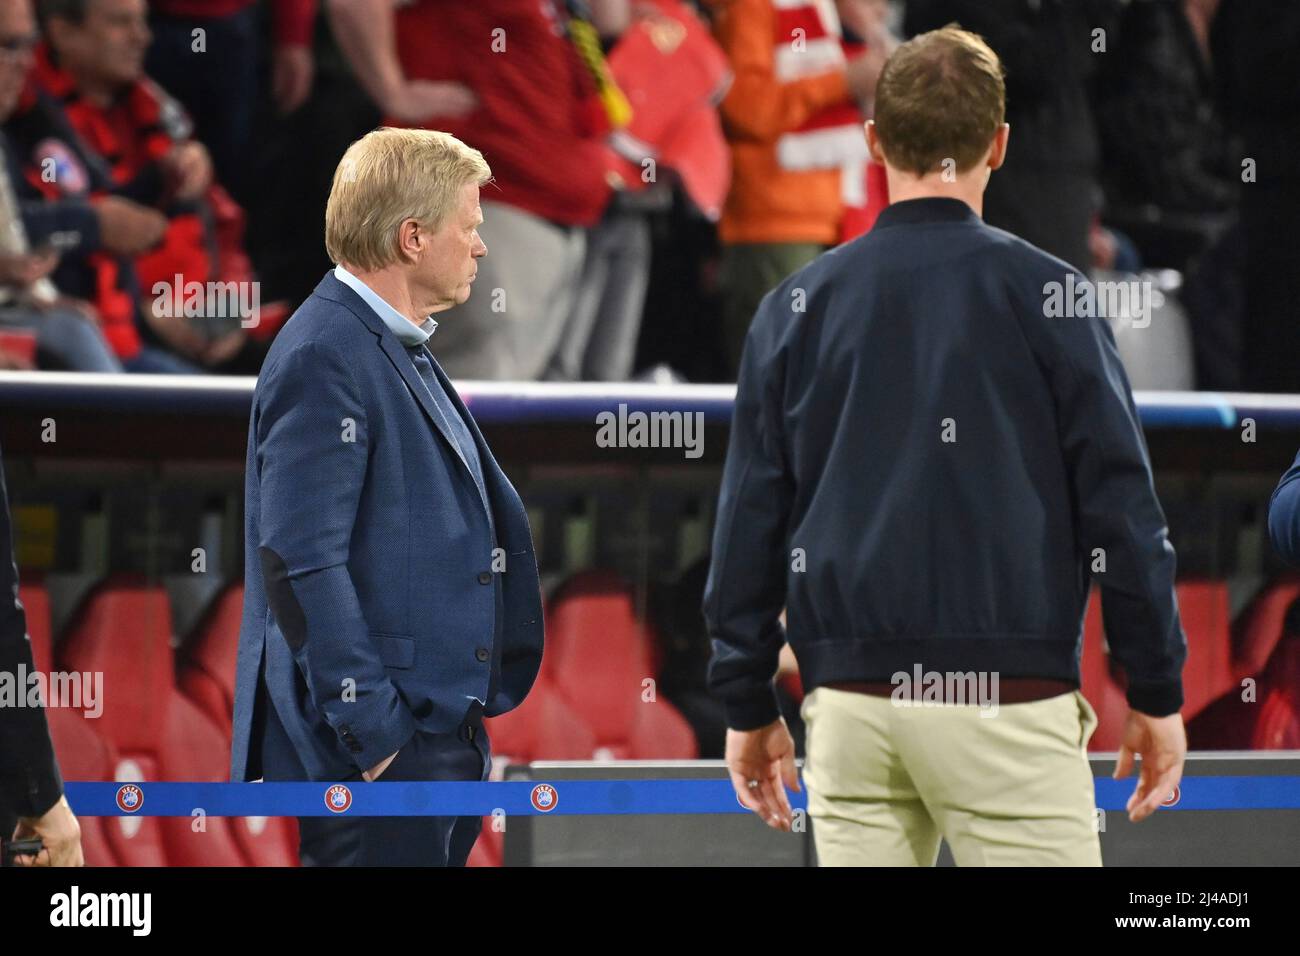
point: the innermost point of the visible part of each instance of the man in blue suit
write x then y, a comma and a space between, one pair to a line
391, 590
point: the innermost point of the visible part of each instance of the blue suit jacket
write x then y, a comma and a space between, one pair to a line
369, 601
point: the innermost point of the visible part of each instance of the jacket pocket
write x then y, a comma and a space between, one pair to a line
394, 649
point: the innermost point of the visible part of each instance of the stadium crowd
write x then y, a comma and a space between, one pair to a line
659, 166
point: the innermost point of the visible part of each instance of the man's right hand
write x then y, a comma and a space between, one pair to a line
127, 228
369, 776
1161, 742
59, 831
416, 100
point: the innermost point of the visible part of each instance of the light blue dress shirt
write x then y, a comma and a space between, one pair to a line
407, 332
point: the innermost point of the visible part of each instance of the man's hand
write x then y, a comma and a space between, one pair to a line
416, 100
127, 228
24, 269
292, 71
59, 831
1161, 742
369, 776
177, 332
225, 348
191, 167
765, 755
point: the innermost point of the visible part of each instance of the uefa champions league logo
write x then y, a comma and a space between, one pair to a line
544, 798
338, 798
130, 798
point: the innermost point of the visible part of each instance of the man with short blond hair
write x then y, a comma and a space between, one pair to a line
391, 594
926, 466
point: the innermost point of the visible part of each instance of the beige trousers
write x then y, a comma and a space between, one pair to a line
885, 782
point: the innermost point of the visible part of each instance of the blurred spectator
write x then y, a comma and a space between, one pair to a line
207, 54
130, 138
1171, 170
37, 322
1161, 135
1256, 44
503, 77
1046, 192
291, 168
670, 72
789, 139
598, 339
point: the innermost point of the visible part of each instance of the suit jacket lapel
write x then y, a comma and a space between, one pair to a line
397, 354
334, 290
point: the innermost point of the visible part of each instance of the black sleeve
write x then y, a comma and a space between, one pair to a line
747, 575
29, 775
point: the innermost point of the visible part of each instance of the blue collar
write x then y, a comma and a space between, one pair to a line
407, 333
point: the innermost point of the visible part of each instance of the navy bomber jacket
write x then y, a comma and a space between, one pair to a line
924, 469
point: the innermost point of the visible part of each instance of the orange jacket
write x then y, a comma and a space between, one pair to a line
768, 203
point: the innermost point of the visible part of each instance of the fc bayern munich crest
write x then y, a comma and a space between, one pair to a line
338, 798
130, 798
545, 798
1174, 796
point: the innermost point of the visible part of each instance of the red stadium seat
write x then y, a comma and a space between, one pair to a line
208, 677
543, 727
82, 754
1203, 606
124, 631
1098, 684
600, 665
488, 850
1266, 718
36, 604
208, 682
1204, 609
1260, 628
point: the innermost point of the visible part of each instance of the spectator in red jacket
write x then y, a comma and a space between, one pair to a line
502, 76
142, 140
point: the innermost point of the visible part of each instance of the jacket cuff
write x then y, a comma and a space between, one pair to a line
1159, 699
753, 711
41, 791
369, 737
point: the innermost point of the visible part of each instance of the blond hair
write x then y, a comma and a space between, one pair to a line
941, 96
390, 175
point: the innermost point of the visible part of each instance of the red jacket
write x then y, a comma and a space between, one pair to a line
292, 20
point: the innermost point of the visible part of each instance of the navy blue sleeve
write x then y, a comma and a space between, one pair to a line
1284, 515
312, 450
747, 575
1116, 508
74, 219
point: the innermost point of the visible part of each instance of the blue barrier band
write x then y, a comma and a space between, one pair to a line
567, 797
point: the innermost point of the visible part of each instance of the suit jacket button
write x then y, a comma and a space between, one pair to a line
482, 654
485, 577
